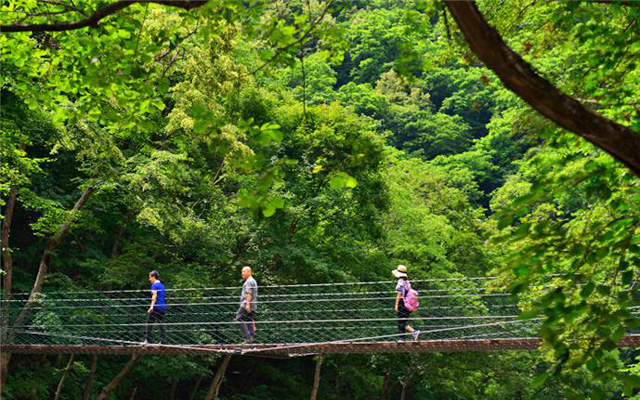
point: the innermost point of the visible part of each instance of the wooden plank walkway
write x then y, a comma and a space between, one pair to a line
292, 350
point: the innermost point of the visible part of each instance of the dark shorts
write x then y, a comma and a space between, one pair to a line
403, 317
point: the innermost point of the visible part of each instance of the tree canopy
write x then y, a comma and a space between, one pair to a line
329, 141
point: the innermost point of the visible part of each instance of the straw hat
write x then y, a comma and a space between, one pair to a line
400, 272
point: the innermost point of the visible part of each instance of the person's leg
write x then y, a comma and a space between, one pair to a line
414, 332
251, 324
151, 317
242, 319
160, 317
403, 319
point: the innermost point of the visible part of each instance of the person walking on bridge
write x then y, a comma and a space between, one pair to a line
158, 307
248, 306
402, 287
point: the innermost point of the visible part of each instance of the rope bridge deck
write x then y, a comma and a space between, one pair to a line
455, 315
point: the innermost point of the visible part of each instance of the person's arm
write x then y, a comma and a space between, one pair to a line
249, 297
398, 297
154, 297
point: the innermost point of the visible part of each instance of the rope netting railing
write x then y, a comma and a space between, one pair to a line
287, 315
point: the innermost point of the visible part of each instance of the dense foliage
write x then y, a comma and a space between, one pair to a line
325, 142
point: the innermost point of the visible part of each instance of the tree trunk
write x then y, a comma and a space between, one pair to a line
64, 377
518, 76
195, 388
92, 372
172, 391
385, 386
116, 242
7, 263
403, 394
218, 378
42, 271
7, 266
134, 391
4, 369
338, 380
116, 381
316, 377
53, 243
48, 253
405, 385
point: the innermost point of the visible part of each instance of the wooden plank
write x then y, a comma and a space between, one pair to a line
291, 350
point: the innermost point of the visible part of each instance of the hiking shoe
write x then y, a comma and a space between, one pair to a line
401, 340
415, 334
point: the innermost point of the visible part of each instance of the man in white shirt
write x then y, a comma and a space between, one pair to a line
248, 305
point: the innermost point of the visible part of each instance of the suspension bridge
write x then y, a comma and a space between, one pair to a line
302, 319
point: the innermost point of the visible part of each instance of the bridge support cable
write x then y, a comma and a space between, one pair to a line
291, 319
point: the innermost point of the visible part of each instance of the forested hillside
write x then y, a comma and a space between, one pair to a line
321, 141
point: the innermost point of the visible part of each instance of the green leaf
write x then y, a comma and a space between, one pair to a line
618, 334
529, 314
627, 277
342, 180
591, 166
540, 380
522, 231
608, 345
632, 322
522, 270
272, 131
124, 34
631, 380
587, 290
200, 125
603, 290
505, 221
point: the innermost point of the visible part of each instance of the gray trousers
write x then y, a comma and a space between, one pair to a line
245, 322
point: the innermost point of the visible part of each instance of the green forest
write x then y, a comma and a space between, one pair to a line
327, 141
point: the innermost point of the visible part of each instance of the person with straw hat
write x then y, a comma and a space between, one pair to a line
403, 313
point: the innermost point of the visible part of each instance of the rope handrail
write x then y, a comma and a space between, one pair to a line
235, 302
279, 321
286, 314
78, 299
387, 309
296, 285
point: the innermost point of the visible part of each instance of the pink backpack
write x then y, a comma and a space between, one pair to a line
410, 298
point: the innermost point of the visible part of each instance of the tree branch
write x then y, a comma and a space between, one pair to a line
95, 18
46, 257
635, 3
299, 40
67, 7
218, 378
104, 394
64, 377
92, 373
6, 249
518, 76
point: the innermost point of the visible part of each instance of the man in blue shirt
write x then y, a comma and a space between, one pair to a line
158, 307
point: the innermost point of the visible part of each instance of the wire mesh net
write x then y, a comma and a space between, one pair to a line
287, 315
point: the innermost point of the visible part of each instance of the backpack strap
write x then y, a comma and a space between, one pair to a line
407, 287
